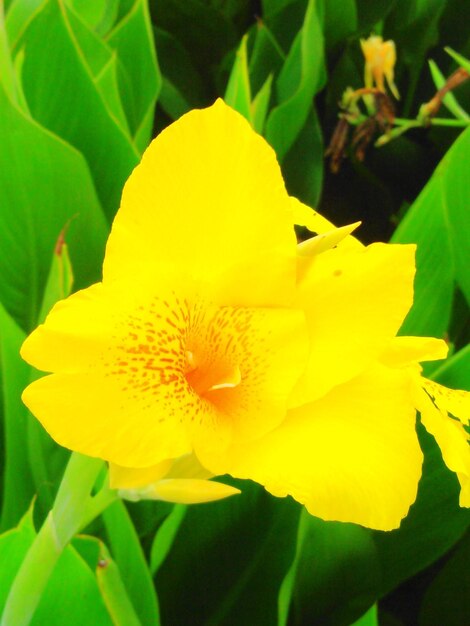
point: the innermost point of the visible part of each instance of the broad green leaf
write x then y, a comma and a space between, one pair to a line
14, 544
139, 76
438, 223
7, 74
228, 560
300, 79
334, 577
72, 596
435, 523
447, 600
165, 536
97, 54
339, 21
100, 15
18, 17
63, 97
107, 84
449, 100
127, 553
238, 91
48, 184
266, 56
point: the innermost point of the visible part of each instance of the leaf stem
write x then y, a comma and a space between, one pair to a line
72, 505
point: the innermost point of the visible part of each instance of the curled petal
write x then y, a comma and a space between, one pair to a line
435, 403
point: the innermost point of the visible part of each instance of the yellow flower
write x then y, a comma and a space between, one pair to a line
380, 59
217, 345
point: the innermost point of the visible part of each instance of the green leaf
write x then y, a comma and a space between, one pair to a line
165, 536
18, 488
18, 16
206, 34
62, 96
370, 13
438, 223
127, 553
107, 84
228, 560
447, 600
303, 164
7, 74
182, 87
100, 15
139, 75
49, 186
266, 57
433, 525
109, 580
339, 21
60, 280
449, 100
14, 545
459, 59
435, 522
238, 91
260, 105
334, 577
71, 596
368, 619
301, 77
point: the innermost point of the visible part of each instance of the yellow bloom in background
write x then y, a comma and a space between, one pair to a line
216, 345
380, 59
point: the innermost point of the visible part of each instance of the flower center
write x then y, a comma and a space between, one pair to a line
208, 374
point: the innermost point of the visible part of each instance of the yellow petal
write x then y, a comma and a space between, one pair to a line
186, 466
132, 478
351, 456
101, 416
453, 401
207, 195
325, 241
270, 348
303, 215
403, 351
75, 334
182, 491
450, 435
355, 301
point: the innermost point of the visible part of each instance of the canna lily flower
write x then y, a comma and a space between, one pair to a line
216, 345
380, 59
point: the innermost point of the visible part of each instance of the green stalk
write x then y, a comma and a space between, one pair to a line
63, 522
